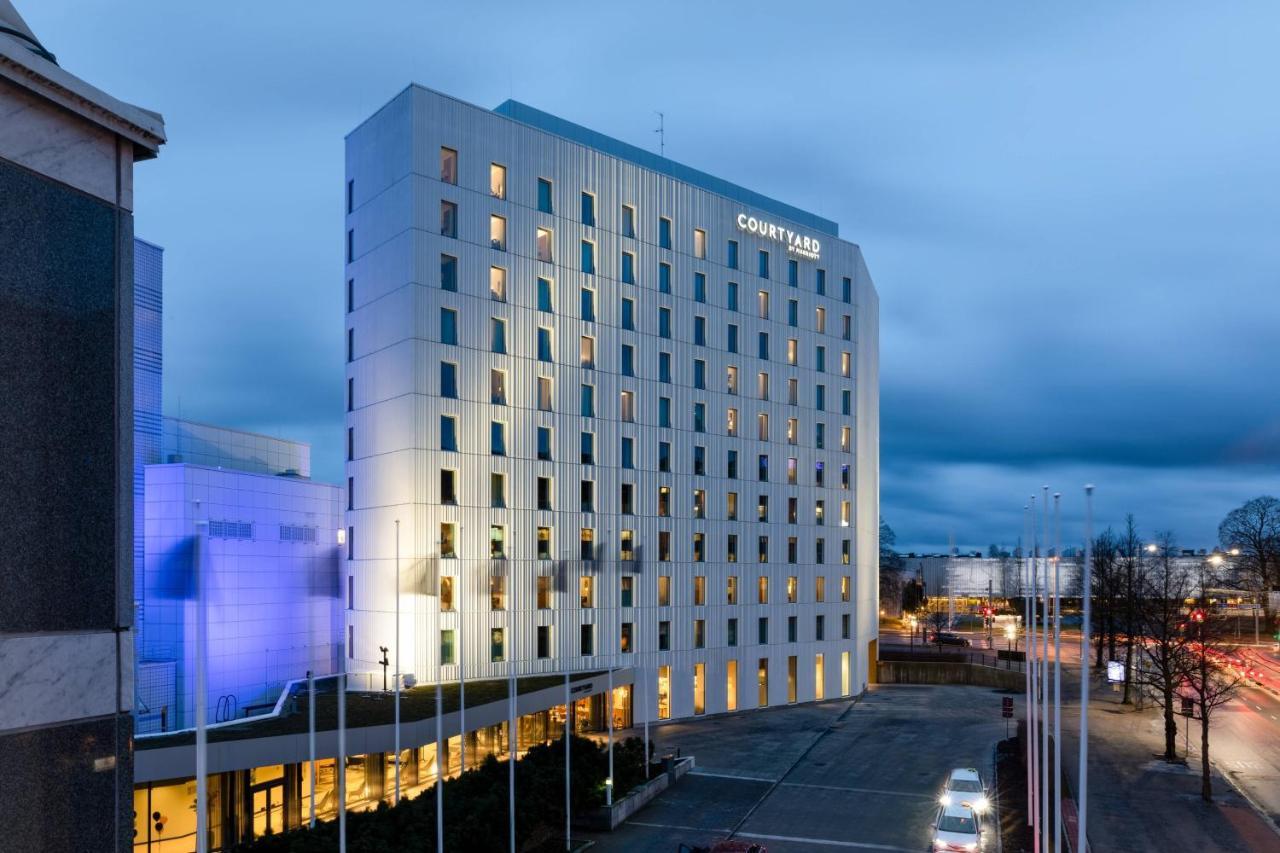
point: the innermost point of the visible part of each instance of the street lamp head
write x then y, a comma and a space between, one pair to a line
1215, 559
1151, 548
1235, 552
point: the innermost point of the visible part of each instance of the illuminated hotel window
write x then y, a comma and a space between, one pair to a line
628, 406
497, 180
544, 641
699, 590
699, 633
664, 278
544, 195
664, 501
448, 273
588, 257
628, 314
544, 592
820, 319
497, 490
588, 209
497, 232
664, 635
497, 438
586, 591
628, 221
762, 508
497, 592
820, 512
544, 493
664, 233
731, 590
497, 541
544, 294
447, 647
624, 639
498, 284
628, 268
731, 506
496, 647
762, 426
762, 302
793, 589
699, 503
762, 590
793, 273
731, 421
699, 243
793, 350
762, 549
448, 491
793, 430
544, 393
731, 675
731, 379
844, 513
792, 469
699, 686
791, 677
845, 586
544, 244
448, 541
448, 165
448, 219
762, 385
731, 255
846, 364
627, 545
446, 592
820, 588
664, 693
587, 352
448, 326
498, 387
544, 543
846, 436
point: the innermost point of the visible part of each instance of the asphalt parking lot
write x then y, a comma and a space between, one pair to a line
823, 776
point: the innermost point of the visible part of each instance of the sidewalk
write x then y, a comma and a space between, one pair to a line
1139, 802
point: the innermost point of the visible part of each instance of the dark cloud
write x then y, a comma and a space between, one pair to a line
1070, 213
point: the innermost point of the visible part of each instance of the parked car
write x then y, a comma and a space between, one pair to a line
964, 787
957, 828
946, 638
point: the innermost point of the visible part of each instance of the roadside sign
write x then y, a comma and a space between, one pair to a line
1188, 707
1006, 707
1115, 671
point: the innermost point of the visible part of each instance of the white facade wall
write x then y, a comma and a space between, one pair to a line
274, 604
394, 281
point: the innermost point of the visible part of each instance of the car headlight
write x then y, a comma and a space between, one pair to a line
982, 804
972, 845
945, 799
939, 843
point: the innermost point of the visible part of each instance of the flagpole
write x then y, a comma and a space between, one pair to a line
1026, 661
1033, 661
202, 689
397, 799
1044, 686
1082, 843
1057, 670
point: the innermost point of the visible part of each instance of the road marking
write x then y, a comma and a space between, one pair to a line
829, 842
678, 826
858, 790
730, 776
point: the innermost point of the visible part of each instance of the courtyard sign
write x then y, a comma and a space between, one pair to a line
797, 244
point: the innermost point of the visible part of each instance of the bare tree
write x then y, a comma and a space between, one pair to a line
1254, 528
1165, 656
1210, 684
1105, 548
1129, 587
891, 567
938, 621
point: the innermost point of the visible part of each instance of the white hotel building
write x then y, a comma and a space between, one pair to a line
623, 414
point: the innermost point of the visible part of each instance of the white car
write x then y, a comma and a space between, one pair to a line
964, 788
957, 828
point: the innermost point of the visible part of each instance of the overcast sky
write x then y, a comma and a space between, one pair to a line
1071, 213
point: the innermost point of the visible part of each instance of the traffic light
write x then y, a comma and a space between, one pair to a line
1197, 615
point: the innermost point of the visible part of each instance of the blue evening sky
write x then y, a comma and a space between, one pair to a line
1070, 211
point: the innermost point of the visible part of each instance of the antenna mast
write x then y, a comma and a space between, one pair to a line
662, 135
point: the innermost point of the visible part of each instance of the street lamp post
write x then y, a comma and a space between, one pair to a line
1082, 844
